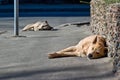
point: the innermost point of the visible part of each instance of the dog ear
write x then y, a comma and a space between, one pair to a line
95, 40
46, 22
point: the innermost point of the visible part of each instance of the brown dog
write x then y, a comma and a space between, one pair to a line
92, 47
38, 26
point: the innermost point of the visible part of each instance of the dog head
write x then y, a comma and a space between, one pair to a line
45, 26
97, 48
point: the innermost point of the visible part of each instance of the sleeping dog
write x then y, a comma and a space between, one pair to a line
92, 47
38, 26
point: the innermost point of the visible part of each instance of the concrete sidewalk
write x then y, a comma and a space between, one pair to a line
25, 58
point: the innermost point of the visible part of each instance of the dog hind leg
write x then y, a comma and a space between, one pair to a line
28, 27
68, 52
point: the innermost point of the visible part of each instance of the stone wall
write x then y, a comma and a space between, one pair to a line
113, 32
113, 24
98, 17
105, 20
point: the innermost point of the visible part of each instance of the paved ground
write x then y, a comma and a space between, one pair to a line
25, 58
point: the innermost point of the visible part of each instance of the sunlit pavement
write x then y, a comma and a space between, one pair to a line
25, 58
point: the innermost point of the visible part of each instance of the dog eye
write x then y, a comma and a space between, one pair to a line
92, 48
97, 53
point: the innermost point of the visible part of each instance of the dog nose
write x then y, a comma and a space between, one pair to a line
90, 56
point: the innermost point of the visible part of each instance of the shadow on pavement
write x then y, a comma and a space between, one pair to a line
63, 73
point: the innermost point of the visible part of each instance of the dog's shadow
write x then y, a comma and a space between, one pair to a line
50, 30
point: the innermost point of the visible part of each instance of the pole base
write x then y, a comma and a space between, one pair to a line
18, 36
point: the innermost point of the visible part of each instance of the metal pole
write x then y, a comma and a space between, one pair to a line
16, 17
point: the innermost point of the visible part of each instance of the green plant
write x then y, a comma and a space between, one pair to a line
112, 1
85, 1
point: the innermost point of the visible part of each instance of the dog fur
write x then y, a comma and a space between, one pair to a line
92, 47
38, 26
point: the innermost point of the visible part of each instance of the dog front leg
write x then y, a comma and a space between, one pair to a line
69, 49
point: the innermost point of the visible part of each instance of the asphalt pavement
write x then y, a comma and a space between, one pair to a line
26, 58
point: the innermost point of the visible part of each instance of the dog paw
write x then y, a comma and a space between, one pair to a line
52, 55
